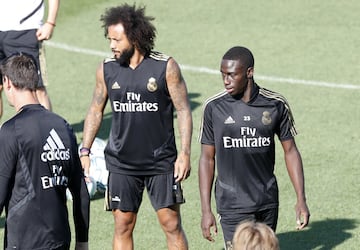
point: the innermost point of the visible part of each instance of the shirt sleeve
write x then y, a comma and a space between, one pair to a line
287, 129
206, 135
81, 199
8, 156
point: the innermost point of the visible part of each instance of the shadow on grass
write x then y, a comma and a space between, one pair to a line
321, 235
106, 121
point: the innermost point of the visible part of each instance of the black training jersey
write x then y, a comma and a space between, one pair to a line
141, 140
243, 135
38, 161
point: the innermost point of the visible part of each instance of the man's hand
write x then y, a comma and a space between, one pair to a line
85, 163
208, 223
302, 215
45, 31
182, 167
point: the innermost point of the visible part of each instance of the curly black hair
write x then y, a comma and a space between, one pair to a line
138, 27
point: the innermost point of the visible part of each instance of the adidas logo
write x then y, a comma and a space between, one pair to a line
229, 120
54, 148
115, 86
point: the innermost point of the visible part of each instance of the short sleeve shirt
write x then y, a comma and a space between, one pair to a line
243, 136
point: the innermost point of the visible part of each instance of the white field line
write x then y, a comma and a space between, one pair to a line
211, 71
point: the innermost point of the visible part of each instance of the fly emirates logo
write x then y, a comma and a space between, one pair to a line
248, 139
134, 104
54, 150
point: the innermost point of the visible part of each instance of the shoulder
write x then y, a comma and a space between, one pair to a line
273, 96
158, 56
108, 60
215, 99
7, 134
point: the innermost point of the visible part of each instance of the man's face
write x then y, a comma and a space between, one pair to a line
235, 76
119, 43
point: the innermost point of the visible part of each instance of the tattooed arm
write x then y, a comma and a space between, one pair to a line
179, 95
94, 115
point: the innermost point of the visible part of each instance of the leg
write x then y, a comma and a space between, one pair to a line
269, 217
43, 98
124, 195
170, 221
124, 227
229, 222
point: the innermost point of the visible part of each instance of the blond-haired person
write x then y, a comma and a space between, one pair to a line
251, 235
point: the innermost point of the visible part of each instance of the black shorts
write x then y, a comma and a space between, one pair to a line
25, 41
125, 192
230, 221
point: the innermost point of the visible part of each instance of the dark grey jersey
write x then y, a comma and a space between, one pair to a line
38, 161
243, 135
141, 140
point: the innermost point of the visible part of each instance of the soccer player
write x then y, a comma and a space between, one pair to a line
238, 129
22, 30
144, 87
39, 160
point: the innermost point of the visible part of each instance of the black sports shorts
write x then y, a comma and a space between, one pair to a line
125, 192
13, 41
230, 221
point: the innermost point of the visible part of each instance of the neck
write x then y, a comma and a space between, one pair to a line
247, 93
24, 98
136, 59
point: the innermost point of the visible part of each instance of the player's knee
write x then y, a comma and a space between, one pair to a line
124, 223
171, 224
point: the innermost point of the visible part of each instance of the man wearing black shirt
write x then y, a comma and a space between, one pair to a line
238, 129
144, 87
38, 161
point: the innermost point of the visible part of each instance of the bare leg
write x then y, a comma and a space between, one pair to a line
170, 221
43, 98
124, 227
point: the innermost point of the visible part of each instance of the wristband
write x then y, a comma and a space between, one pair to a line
51, 23
84, 151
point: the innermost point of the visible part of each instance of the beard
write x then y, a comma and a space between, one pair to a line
125, 56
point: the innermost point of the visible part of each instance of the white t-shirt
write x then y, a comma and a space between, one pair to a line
12, 12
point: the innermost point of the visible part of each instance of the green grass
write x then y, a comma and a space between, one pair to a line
308, 40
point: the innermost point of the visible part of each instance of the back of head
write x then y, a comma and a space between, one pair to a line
138, 27
252, 235
21, 69
241, 54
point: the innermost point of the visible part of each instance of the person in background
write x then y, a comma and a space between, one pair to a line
144, 88
39, 160
251, 235
238, 129
22, 29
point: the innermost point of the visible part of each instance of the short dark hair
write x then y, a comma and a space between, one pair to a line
21, 69
138, 27
241, 54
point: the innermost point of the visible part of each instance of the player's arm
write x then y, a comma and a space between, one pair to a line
8, 156
94, 115
81, 201
295, 169
206, 179
45, 32
4, 189
179, 95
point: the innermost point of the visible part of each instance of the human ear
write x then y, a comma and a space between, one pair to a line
250, 72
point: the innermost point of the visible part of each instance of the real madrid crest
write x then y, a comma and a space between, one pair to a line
266, 118
152, 85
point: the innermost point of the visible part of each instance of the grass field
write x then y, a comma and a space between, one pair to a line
308, 50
